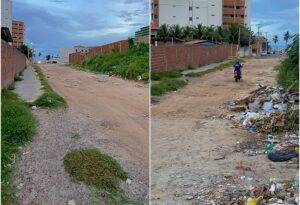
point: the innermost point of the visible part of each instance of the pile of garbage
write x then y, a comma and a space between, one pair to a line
238, 190
264, 113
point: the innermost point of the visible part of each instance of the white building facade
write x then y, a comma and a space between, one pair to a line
64, 55
190, 12
6, 14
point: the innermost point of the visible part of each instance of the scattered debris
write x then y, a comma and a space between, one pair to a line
34, 107
128, 181
71, 202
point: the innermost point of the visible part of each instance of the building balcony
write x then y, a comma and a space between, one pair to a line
234, 2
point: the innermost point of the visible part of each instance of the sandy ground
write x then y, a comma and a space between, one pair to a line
108, 113
186, 140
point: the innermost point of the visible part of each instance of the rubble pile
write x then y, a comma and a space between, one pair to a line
238, 190
270, 117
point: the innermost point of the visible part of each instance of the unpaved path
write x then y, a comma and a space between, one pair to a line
186, 140
110, 114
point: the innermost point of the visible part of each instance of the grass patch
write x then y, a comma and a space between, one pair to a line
165, 85
18, 127
75, 136
217, 68
101, 171
49, 99
288, 75
166, 74
130, 64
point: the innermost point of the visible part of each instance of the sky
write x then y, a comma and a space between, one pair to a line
54, 24
276, 17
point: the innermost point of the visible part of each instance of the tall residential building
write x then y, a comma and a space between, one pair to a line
6, 14
194, 12
18, 33
236, 11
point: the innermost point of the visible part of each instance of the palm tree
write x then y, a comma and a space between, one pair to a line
198, 31
187, 33
176, 31
275, 40
163, 31
286, 37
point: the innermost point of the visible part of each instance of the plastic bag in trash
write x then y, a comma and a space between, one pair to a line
281, 156
267, 106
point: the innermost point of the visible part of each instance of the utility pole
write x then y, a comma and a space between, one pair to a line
239, 39
267, 42
249, 43
257, 39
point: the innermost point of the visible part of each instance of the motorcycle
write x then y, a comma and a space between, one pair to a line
237, 76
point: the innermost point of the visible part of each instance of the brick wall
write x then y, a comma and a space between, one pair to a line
180, 56
12, 63
118, 46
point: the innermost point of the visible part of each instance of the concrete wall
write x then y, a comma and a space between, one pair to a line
118, 46
205, 12
168, 57
12, 63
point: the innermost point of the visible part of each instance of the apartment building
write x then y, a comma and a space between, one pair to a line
236, 12
194, 12
142, 35
6, 14
18, 33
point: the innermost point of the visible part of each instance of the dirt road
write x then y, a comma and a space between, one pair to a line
187, 138
108, 113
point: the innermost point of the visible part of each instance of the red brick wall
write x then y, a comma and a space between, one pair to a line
12, 63
180, 56
118, 46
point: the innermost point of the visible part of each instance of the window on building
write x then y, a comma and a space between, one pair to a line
212, 5
191, 18
213, 15
197, 17
191, 8
174, 16
197, 7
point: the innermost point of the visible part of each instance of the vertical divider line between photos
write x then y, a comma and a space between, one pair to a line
149, 102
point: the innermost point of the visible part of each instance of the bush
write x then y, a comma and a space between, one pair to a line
289, 69
166, 74
130, 64
165, 85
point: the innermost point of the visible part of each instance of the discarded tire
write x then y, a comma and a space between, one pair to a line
281, 156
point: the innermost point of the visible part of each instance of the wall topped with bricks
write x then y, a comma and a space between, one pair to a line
181, 56
12, 63
118, 46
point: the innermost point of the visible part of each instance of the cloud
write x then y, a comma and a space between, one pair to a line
52, 24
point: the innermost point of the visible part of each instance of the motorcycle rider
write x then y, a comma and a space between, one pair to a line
238, 69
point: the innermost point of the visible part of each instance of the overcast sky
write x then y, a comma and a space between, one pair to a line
52, 24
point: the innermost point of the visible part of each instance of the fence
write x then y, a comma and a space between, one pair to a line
181, 56
12, 63
118, 46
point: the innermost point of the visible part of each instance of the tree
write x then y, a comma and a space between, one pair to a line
24, 49
48, 57
130, 42
163, 31
198, 31
176, 31
188, 33
275, 39
286, 37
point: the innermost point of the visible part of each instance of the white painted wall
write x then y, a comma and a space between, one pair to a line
205, 12
64, 55
6, 14
247, 12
